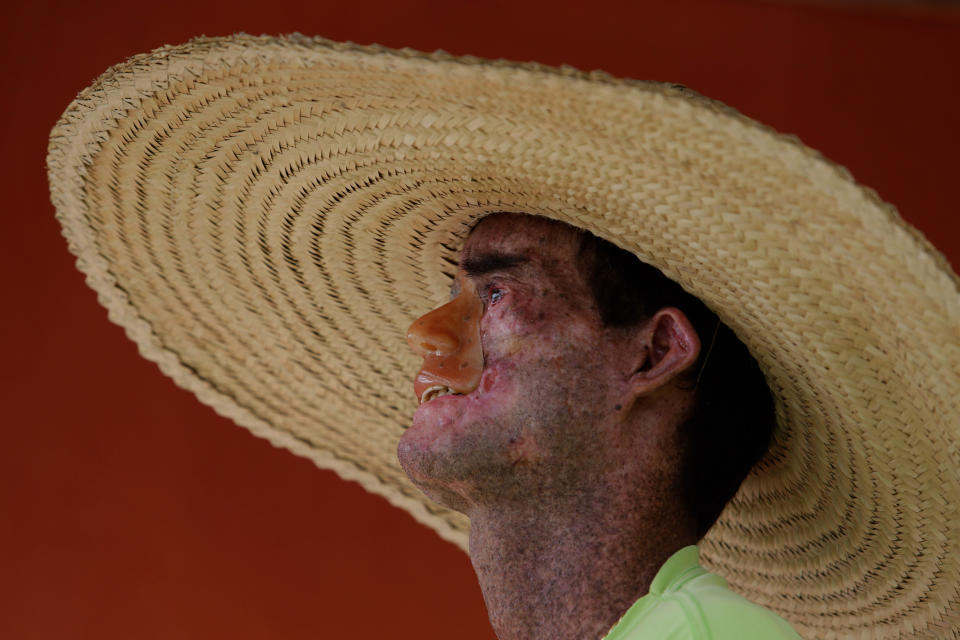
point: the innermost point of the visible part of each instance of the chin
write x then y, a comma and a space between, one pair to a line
458, 447
451, 454
430, 471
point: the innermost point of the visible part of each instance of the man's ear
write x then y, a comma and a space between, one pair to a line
667, 345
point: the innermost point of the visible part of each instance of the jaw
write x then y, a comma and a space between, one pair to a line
455, 440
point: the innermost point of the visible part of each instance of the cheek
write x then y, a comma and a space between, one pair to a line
489, 380
511, 345
510, 326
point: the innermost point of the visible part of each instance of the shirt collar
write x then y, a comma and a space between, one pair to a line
676, 570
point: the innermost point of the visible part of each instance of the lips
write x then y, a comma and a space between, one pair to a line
437, 391
428, 385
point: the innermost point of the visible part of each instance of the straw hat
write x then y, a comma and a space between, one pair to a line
266, 216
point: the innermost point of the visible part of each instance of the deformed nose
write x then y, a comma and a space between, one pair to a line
434, 334
448, 340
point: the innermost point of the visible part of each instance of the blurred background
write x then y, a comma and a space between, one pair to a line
130, 510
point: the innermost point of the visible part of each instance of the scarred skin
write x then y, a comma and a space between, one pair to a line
564, 451
448, 340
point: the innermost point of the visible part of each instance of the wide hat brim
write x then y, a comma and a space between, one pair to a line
266, 216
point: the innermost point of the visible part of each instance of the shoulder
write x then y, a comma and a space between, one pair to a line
702, 609
726, 615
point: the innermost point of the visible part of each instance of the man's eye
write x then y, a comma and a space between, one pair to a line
494, 293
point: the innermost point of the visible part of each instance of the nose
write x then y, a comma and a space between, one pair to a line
436, 333
448, 340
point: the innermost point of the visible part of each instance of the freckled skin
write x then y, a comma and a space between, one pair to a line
565, 455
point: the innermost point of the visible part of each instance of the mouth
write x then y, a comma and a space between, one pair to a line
436, 391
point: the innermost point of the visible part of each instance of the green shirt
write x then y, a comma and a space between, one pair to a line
688, 603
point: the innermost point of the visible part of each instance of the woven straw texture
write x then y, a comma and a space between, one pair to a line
266, 216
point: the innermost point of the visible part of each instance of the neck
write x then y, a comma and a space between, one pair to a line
568, 569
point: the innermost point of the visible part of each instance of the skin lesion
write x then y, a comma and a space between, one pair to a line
448, 339
523, 451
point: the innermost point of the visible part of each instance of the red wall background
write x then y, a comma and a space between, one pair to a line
130, 510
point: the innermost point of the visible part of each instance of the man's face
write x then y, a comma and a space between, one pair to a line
545, 387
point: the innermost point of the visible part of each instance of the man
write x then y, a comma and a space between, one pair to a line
265, 217
567, 453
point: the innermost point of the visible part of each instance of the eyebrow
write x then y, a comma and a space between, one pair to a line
484, 263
